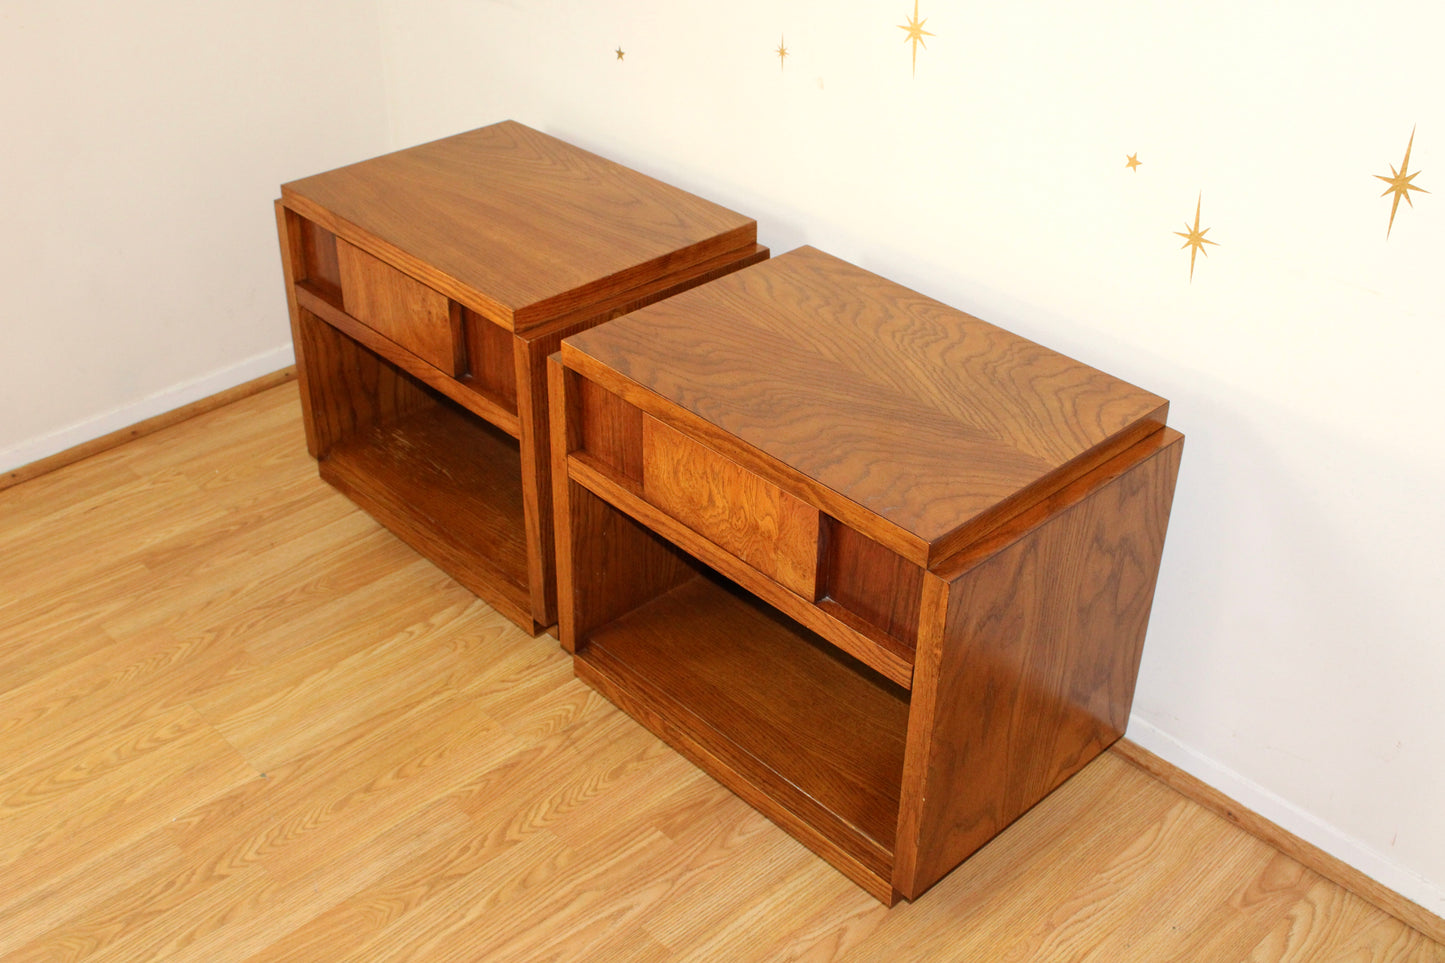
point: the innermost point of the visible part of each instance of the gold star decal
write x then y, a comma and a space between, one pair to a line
1133, 163
782, 51
1194, 238
620, 53
1400, 185
916, 33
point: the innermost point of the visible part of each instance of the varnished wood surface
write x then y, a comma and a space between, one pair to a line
401, 308
342, 362
915, 422
607, 429
626, 565
772, 690
880, 652
445, 483
491, 360
463, 263
519, 225
867, 580
731, 507
240, 721
1036, 676
796, 418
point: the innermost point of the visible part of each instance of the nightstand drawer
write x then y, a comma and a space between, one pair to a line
396, 305
735, 509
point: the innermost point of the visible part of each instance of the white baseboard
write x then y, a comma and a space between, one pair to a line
168, 399
1290, 817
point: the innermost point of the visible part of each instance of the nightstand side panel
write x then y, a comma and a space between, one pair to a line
1034, 673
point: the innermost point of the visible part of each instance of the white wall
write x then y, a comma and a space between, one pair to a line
1295, 657
141, 145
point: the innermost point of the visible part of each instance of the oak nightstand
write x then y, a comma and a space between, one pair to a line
428, 286
881, 568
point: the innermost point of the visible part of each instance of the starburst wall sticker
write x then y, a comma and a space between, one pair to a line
914, 29
1400, 185
782, 52
1194, 238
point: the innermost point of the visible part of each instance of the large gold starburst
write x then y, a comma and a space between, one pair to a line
1194, 238
916, 33
1400, 185
782, 51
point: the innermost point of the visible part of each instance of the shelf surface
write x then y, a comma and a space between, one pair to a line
739, 677
449, 485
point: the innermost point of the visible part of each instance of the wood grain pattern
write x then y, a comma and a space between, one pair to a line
463, 263
317, 260
292, 233
530, 353
1340, 874
609, 430
401, 308
847, 753
534, 414
494, 409
626, 565
934, 495
767, 709
491, 359
517, 225
502, 812
878, 586
1034, 676
445, 484
762, 525
348, 387
803, 368
855, 856
880, 652
145, 427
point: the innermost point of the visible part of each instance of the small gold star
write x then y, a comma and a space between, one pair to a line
782, 51
1400, 185
620, 53
1133, 163
1194, 238
916, 33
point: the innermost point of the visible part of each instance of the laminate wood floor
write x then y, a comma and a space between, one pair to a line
240, 721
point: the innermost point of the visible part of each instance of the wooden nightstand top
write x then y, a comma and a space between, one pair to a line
828, 379
519, 225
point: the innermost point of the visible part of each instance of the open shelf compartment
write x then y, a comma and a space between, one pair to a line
857, 594
445, 482
805, 733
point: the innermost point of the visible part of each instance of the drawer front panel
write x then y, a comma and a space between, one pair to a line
403, 309
766, 527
